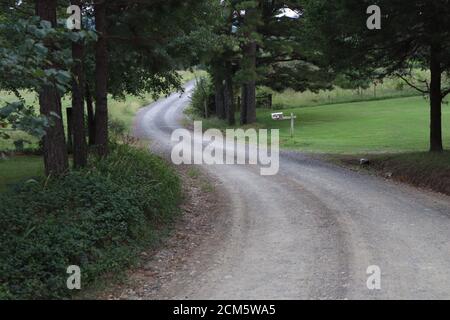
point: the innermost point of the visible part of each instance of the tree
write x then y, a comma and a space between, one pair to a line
250, 16
78, 93
33, 56
101, 79
218, 48
413, 35
141, 44
54, 144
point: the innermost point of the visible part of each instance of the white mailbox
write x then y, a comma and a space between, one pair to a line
277, 116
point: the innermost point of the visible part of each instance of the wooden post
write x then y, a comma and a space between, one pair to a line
280, 117
292, 125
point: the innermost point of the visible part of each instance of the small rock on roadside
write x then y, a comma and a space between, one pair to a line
388, 175
364, 162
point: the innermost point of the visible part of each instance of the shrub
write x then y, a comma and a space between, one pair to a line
203, 93
147, 177
117, 128
98, 219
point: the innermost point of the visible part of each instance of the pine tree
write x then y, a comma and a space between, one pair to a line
54, 143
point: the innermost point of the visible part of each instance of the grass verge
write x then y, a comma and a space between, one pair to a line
422, 169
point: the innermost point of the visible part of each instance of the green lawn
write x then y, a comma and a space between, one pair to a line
395, 125
19, 168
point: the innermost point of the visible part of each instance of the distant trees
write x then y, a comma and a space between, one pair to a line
261, 42
217, 47
413, 35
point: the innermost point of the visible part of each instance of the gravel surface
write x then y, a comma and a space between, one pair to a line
309, 232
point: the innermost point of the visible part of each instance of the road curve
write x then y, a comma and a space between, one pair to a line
311, 231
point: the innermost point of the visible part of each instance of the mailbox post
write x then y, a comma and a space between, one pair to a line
280, 116
292, 125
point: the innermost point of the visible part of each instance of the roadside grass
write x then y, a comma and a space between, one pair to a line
125, 110
381, 126
421, 169
193, 173
187, 75
205, 185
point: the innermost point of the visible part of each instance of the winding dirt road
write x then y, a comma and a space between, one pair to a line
311, 231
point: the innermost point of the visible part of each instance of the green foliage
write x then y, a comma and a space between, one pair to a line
18, 116
27, 63
203, 96
146, 177
98, 219
409, 29
25, 60
117, 128
149, 41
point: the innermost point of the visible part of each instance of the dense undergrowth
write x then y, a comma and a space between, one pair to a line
97, 218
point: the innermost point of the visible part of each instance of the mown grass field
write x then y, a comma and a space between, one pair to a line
379, 126
395, 125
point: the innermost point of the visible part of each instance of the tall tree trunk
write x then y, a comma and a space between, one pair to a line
249, 102
436, 99
219, 98
244, 104
78, 86
54, 143
101, 80
90, 115
229, 96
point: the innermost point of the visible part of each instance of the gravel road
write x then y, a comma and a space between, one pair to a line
311, 231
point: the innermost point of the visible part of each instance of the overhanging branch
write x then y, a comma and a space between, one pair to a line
445, 93
412, 85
